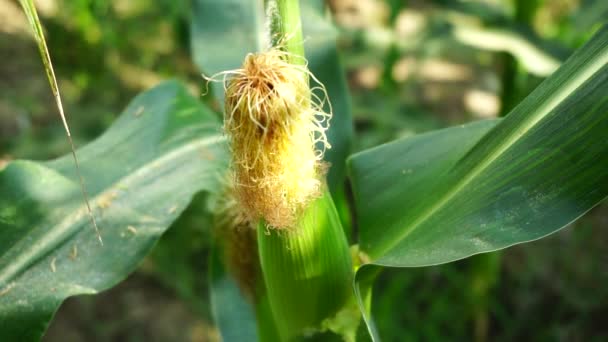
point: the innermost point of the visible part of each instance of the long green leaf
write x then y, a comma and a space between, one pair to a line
142, 173
542, 167
415, 165
450, 194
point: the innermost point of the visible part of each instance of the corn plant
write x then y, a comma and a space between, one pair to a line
277, 174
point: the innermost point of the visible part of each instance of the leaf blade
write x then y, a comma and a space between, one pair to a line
232, 312
145, 169
537, 130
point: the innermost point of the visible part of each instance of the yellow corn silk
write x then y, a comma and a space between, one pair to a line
274, 121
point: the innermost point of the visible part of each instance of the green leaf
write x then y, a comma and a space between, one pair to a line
322, 54
237, 301
444, 196
363, 286
141, 174
415, 165
450, 194
223, 33
486, 27
524, 46
232, 312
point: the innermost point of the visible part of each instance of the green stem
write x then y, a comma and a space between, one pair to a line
513, 75
287, 30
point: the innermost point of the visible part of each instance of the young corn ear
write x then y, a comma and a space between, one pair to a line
276, 128
307, 270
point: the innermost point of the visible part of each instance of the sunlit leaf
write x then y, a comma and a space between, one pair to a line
450, 194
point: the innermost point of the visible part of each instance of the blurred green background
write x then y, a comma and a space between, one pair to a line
412, 66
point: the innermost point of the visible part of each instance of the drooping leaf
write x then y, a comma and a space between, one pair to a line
32, 17
522, 45
489, 28
450, 194
141, 174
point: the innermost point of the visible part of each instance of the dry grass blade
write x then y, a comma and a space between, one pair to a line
32, 17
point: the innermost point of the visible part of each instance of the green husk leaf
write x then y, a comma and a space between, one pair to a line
307, 270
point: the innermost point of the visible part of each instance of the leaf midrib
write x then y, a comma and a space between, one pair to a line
27, 254
526, 125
